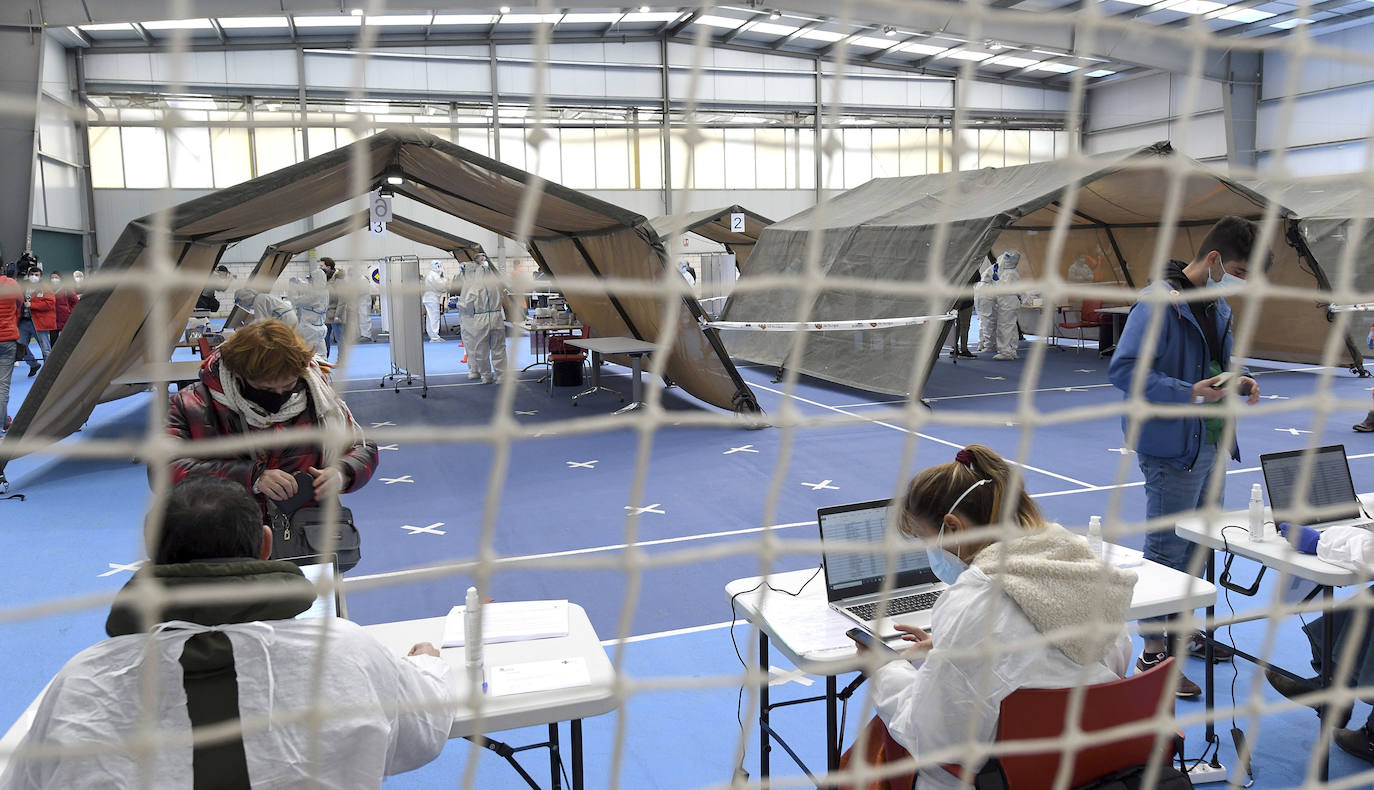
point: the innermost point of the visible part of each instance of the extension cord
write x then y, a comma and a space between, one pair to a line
1203, 773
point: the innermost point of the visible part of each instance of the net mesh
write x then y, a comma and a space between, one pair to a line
837, 264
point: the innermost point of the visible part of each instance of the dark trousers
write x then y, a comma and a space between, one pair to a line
962, 320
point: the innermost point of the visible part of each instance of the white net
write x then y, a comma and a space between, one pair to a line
902, 147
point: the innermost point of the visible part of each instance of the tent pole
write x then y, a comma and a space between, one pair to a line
1296, 240
1120, 259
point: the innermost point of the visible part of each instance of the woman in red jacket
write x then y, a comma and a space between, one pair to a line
66, 300
264, 382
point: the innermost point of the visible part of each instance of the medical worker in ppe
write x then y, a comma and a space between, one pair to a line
1008, 306
985, 306
484, 321
264, 306
310, 295
363, 304
435, 286
1006, 620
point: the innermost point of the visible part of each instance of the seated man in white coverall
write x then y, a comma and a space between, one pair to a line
310, 295
435, 285
1008, 307
223, 644
484, 321
264, 306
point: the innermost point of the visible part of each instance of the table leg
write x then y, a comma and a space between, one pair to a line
832, 727
1328, 635
576, 727
636, 387
1209, 692
764, 744
555, 778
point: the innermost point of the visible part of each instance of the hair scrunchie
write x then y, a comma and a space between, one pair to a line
965, 457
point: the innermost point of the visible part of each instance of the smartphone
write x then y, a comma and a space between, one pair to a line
1221, 381
869, 640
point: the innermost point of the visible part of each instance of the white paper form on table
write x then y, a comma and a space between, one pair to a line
811, 629
511, 621
1122, 556
557, 673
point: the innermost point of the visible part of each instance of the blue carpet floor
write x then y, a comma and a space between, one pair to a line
69, 547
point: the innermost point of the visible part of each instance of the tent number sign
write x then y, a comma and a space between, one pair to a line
379, 211
736, 223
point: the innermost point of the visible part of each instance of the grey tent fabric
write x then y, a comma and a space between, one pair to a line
714, 224
275, 258
110, 332
938, 229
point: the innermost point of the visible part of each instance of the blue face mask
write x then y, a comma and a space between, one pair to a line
946, 566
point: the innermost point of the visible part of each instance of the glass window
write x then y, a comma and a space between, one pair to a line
709, 163
649, 174
858, 157
145, 148
803, 174
475, 138
229, 148
107, 158
276, 148
612, 159
1017, 146
1062, 144
321, 140
770, 158
679, 156
886, 153
913, 157
579, 158
832, 158
939, 151
550, 168
513, 146
189, 150
1041, 146
991, 148
968, 149
740, 166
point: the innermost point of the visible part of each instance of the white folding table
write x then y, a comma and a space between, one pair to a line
497, 714
627, 346
808, 633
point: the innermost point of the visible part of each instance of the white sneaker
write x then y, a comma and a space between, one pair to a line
488, 380
436, 340
1005, 357
473, 376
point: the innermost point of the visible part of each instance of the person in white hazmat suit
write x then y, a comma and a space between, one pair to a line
435, 286
483, 321
1006, 621
264, 306
1008, 306
310, 295
363, 304
986, 308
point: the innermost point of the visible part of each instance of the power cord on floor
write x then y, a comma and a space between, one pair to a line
1237, 734
734, 618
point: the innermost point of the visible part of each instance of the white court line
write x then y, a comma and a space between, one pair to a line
1015, 392
923, 436
611, 547
675, 632
1245, 470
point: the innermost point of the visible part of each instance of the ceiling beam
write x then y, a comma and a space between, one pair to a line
734, 34
794, 35
681, 26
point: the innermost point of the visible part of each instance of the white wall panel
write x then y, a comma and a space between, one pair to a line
1316, 74
1121, 139
56, 77
198, 68
268, 67
1344, 114
1208, 95
56, 130
1326, 160
931, 93
64, 198
387, 73
1205, 136
449, 76
789, 88
119, 67
1136, 101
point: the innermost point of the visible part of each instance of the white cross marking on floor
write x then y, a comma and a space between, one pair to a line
822, 485
388, 447
1086, 370
1121, 450
654, 508
428, 530
777, 677
995, 378
582, 464
383, 424
528, 413
116, 567
1274, 397
401, 479
748, 448
1294, 431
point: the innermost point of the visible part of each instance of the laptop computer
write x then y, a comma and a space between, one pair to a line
854, 580
329, 603
1329, 488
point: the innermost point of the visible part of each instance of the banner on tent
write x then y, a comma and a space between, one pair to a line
828, 326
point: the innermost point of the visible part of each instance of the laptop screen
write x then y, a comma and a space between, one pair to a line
852, 573
1328, 485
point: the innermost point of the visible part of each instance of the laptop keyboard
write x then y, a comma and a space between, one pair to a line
896, 606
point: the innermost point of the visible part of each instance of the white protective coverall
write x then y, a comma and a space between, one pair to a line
435, 285
988, 642
96, 702
310, 295
1008, 306
265, 306
364, 303
986, 308
484, 322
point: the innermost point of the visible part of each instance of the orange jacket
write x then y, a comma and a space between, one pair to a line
43, 306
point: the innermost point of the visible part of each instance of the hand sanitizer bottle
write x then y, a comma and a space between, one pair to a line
1256, 512
1095, 536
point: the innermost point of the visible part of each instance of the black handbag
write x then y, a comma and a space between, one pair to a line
305, 534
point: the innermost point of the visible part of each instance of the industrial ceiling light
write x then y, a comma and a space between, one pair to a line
643, 9
505, 9
889, 30
775, 14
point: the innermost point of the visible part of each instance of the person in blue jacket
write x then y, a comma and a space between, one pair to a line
1191, 351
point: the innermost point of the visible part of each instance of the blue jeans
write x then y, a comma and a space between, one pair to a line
1362, 668
27, 331
9, 351
1171, 489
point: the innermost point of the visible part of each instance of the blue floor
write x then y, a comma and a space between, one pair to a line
65, 550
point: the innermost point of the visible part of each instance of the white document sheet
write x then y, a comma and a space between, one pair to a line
1121, 556
558, 673
511, 621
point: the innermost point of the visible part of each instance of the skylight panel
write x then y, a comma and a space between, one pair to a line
178, 24
328, 21
246, 22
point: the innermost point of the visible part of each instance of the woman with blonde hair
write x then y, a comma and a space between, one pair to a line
264, 380
1029, 605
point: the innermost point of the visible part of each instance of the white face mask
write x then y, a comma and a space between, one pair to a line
33, 278
1227, 279
944, 563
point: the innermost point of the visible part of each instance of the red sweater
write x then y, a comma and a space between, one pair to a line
10, 299
66, 303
